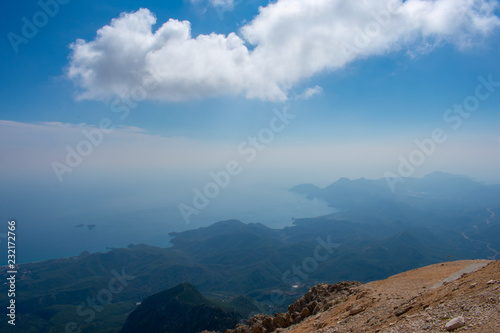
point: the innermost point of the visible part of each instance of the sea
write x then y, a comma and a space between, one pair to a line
55, 223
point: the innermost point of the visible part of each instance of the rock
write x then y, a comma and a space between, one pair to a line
311, 306
317, 299
320, 325
317, 308
403, 310
259, 329
267, 323
240, 328
356, 310
455, 323
473, 285
308, 296
305, 313
490, 282
280, 320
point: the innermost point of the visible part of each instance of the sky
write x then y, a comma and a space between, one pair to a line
116, 106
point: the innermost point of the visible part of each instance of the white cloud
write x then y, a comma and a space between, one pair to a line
228, 4
292, 41
219, 6
310, 92
222, 3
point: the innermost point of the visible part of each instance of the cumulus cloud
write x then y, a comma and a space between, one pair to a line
287, 42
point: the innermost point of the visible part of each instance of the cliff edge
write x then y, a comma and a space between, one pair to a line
460, 296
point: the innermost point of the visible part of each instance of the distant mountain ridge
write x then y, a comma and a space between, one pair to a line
346, 193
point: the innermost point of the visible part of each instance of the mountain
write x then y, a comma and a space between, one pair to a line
347, 193
453, 208
179, 309
437, 186
437, 298
253, 268
309, 190
231, 261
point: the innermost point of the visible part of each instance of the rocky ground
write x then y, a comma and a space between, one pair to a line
429, 299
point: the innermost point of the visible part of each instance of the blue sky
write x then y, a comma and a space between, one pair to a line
397, 91
363, 80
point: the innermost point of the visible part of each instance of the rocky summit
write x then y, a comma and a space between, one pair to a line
459, 296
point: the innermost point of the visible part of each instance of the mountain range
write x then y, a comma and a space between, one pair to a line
243, 269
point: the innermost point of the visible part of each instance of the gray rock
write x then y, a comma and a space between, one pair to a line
455, 323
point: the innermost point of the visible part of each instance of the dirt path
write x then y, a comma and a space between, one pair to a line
469, 269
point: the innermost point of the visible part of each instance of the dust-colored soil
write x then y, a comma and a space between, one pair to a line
407, 302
